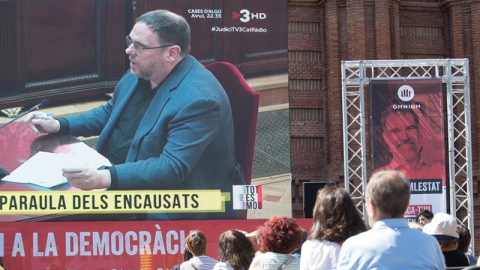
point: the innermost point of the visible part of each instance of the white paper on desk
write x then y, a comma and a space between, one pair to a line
45, 169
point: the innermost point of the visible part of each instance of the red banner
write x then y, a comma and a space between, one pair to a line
109, 245
408, 136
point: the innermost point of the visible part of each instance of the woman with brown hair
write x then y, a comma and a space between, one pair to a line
236, 251
196, 243
187, 255
335, 218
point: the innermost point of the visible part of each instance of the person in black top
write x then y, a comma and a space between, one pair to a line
444, 228
464, 243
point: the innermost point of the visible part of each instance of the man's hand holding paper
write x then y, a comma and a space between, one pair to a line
87, 178
79, 167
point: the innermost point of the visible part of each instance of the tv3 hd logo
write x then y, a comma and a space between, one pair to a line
245, 15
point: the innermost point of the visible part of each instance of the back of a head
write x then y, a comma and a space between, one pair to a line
196, 242
390, 190
464, 238
236, 249
426, 213
444, 228
171, 28
187, 255
280, 235
335, 217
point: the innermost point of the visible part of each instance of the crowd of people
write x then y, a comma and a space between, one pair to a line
340, 239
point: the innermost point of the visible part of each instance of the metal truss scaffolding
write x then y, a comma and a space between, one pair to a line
454, 74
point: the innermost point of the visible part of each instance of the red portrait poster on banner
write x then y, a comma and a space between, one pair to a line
407, 135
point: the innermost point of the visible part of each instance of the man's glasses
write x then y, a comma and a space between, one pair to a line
137, 47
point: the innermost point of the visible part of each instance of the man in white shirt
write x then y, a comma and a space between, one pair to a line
390, 243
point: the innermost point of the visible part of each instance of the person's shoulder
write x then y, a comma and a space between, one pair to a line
256, 262
196, 66
423, 239
128, 77
359, 238
414, 233
473, 259
268, 255
311, 243
126, 83
186, 265
222, 266
295, 263
316, 243
212, 259
206, 259
456, 258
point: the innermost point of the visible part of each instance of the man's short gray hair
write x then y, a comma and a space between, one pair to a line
390, 191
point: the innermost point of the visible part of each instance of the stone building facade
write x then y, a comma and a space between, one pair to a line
322, 33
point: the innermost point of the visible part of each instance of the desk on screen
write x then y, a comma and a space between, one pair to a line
17, 144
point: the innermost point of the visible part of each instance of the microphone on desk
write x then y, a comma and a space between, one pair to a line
42, 104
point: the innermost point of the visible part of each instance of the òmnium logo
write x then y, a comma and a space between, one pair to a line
405, 93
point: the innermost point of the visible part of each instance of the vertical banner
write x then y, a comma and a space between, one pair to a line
407, 136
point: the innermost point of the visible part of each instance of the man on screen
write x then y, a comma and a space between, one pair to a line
402, 133
169, 125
